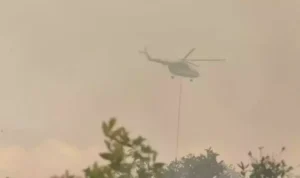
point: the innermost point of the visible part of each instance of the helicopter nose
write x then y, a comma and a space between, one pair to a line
196, 73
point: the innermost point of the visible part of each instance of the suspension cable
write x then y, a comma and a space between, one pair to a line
178, 119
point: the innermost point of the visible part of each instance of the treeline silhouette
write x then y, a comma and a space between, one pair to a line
130, 157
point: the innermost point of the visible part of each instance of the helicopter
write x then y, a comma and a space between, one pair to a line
183, 67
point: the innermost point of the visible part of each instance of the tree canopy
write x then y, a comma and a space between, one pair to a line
131, 157
265, 166
192, 166
127, 157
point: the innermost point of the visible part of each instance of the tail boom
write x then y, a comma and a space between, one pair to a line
145, 52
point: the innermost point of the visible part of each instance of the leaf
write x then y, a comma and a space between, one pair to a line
243, 173
118, 148
125, 137
246, 166
95, 166
158, 165
137, 155
106, 156
116, 133
105, 129
154, 156
126, 144
142, 173
146, 149
125, 168
109, 173
112, 123
115, 166
289, 169
241, 165
138, 141
145, 159
108, 145
87, 171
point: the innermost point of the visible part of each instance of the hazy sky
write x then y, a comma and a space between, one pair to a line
68, 65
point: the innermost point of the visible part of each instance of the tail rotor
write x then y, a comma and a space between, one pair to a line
145, 51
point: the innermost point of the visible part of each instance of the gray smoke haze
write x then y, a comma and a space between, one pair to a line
68, 65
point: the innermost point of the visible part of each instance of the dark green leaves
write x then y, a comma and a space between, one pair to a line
128, 157
158, 165
105, 129
107, 156
125, 168
112, 123
108, 145
116, 133
193, 166
154, 156
266, 167
98, 172
146, 149
138, 141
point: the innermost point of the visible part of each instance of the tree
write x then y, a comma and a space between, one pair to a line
65, 175
127, 157
266, 166
191, 166
230, 172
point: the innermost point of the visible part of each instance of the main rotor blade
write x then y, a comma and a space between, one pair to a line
192, 63
187, 55
207, 59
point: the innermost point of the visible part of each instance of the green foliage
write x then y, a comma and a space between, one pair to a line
97, 171
128, 157
65, 175
265, 167
192, 166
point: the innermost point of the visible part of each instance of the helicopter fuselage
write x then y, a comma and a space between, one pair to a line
183, 69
